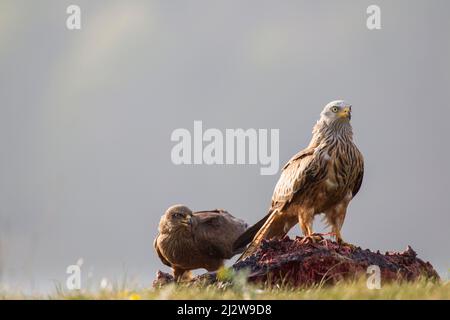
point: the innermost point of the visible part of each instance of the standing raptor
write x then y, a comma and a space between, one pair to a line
190, 240
323, 178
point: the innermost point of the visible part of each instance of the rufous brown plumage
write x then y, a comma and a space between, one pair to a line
191, 240
323, 178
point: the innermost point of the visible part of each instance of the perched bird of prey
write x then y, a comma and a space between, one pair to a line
191, 240
323, 178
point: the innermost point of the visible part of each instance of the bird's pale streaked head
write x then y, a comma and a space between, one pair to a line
176, 216
338, 110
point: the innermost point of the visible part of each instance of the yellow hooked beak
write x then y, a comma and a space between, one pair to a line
345, 113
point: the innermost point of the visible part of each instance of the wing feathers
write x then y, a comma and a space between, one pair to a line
215, 231
160, 255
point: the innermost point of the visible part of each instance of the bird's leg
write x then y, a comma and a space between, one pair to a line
339, 239
335, 218
337, 234
187, 276
181, 275
312, 237
306, 226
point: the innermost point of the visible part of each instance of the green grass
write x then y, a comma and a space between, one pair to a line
240, 290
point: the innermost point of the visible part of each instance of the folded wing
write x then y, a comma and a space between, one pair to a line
215, 231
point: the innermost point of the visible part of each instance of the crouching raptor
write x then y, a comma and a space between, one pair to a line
191, 240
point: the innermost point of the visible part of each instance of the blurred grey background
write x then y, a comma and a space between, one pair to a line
86, 118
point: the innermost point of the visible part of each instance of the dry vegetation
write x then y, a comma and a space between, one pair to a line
421, 289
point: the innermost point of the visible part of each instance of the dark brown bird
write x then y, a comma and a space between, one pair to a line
191, 240
323, 178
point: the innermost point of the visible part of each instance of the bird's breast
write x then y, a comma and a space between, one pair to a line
337, 179
177, 247
331, 184
332, 180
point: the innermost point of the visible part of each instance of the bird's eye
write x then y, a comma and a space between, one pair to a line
335, 109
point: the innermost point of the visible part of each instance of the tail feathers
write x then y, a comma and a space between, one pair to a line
237, 251
260, 235
245, 238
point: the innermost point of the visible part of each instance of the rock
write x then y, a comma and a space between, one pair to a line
298, 263
162, 278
